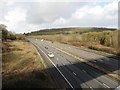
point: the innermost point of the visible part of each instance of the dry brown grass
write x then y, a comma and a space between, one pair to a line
22, 66
89, 40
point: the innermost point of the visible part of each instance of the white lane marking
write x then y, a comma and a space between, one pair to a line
91, 88
93, 61
74, 73
84, 71
63, 64
71, 62
106, 85
57, 69
57, 59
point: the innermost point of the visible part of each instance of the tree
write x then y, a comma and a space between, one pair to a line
4, 31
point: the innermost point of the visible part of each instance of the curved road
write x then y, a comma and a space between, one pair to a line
66, 72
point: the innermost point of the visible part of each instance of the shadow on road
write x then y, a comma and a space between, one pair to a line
84, 74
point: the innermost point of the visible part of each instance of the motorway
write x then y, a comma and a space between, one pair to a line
67, 72
109, 64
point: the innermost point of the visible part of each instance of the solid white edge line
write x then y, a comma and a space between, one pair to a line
91, 88
57, 69
84, 71
74, 73
106, 85
57, 59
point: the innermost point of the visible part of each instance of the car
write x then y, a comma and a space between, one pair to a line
117, 88
41, 39
46, 47
51, 55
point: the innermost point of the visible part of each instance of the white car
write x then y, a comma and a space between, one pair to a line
50, 54
117, 88
41, 39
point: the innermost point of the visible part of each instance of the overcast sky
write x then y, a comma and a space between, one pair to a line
27, 16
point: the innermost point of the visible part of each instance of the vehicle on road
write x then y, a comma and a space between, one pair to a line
46, 47
51, 55
117, 88
41, 39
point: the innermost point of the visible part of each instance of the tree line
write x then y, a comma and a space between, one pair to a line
8, 35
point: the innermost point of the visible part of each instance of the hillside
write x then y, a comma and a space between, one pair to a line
100, 39
76, 30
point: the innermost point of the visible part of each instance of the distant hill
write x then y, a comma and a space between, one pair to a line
77, 30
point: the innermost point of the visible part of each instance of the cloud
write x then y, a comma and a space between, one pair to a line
94, 15
29, 16
48, 12
15, 18
16, 15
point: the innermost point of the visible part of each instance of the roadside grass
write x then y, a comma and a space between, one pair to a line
90, 40
22, 67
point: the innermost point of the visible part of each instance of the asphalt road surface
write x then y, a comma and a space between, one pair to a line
67, 72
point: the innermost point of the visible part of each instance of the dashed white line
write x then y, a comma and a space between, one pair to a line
91, 88
84, 71
63, 64
106, 85
57, 69
57, 59
74, 73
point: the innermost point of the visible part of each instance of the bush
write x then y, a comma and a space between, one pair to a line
4, 34
20, 37
92, 47
11, 37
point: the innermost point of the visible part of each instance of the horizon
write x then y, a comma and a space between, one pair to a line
47, 15
67, 28
74, 27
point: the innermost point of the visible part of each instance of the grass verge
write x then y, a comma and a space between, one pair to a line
22, 66
90, 40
